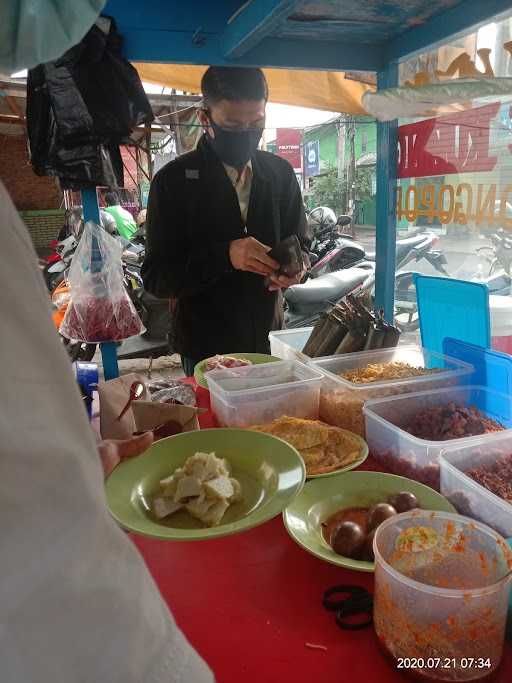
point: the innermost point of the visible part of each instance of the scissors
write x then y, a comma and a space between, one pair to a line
348, 601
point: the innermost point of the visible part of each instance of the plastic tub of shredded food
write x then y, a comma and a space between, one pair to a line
443, 417
441, 595
477, 479
378, 374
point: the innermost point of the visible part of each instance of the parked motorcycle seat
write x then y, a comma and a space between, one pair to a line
330, 287
402, 246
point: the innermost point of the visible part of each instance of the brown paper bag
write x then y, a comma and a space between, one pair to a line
113, 397
149, 415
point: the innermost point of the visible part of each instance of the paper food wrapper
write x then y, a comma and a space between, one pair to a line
148, 415
113, 397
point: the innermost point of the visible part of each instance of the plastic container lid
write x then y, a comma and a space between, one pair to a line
492, 369
288, 344
452, 308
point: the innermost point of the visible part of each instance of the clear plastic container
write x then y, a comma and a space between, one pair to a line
441, 595
257, 394
341, 401
288, 344
467, 495
402, 453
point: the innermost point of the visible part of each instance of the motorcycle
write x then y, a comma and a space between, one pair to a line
406, 307
305, 302
55, 260
333, 246
498, 279
499, 254
54, 271
48, 254
335, 252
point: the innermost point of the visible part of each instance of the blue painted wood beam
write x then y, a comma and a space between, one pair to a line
177, 15
179, 48
90, 205
326, 55
466, 15
256, 21
386, 203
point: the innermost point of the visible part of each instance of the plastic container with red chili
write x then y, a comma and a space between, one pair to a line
477, 479
407, 433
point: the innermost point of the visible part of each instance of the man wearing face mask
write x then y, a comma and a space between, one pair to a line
213, 216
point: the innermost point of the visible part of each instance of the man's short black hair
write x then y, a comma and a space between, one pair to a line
233, 83
111, 199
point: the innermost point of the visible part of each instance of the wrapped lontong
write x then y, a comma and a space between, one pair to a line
376, 333
355, 338
336, 330
316, 335
349, 327
392, 337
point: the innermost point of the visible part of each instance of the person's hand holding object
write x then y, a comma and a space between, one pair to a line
250, 255
114, 451
283, 282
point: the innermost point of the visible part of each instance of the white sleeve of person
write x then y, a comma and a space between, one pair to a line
77, 599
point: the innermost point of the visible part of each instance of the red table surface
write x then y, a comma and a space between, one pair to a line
249, 603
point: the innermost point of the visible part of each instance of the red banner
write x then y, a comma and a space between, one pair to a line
455, 143
288, 146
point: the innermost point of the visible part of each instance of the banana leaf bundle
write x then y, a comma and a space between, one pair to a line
350, 326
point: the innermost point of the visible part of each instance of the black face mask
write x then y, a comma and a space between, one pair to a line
234, 147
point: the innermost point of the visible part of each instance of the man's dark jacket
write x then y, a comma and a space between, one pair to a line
193, 215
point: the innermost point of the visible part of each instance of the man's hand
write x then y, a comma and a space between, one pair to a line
250, 255
283, 282
113, 451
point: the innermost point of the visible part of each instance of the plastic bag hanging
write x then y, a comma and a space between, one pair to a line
81, 107
100, 308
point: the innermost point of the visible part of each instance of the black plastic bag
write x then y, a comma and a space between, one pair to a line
109, 85
81, 107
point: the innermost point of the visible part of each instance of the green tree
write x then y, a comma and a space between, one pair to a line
363, 183
330, 190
